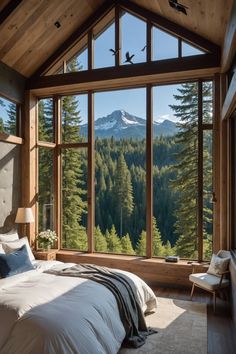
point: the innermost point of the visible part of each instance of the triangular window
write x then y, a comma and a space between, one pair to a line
165, 46
188, 49
133, 39
104, 44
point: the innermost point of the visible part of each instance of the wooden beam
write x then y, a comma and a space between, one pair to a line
172, 27
230, 100
8, 9
200, 175
229, 48
125, 71
57, 169
75, 37
149, 172
29, 158
91, 174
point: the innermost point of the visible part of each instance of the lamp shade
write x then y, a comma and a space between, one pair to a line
24, 216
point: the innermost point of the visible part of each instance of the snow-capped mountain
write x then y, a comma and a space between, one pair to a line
121, 124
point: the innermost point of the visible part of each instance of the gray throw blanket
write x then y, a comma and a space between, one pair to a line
125, 293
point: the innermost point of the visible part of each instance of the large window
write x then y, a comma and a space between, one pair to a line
120, 171
107, 166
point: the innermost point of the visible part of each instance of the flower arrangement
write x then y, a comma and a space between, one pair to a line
47, 238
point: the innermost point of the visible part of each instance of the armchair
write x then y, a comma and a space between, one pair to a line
214, 280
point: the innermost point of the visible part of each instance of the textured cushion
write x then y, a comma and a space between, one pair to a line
13, 246
208, 281
15, 263
218, 265
10, 236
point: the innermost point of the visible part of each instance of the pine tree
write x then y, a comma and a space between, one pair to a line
123, 191
186, 169
100, 240
126, 245
141, 244
168, 250
158, 249
113, 241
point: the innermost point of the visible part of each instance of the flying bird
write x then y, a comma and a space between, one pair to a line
114, 51
143, 49
129, 58
178, 7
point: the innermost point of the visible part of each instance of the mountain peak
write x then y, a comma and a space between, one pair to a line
121, 124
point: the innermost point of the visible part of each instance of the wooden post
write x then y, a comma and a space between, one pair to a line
117, 36
200, 175
149, 172
28, 162
57, 169
91, 173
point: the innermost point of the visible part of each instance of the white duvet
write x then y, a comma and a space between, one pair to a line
42, 313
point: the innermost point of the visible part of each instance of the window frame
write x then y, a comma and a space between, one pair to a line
15, 139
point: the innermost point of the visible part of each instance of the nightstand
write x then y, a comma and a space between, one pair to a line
46, 255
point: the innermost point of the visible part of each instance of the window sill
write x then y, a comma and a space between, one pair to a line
152, 270
11, 138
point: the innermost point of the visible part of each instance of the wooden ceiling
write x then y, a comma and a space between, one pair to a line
29, 36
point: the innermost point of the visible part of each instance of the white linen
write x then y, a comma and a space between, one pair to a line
15, 245
48, 314
9, 236
1, 249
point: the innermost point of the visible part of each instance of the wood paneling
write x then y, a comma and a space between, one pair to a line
29, 37
151, 270
229, 47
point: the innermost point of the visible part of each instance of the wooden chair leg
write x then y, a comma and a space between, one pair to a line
214, 301
192, 291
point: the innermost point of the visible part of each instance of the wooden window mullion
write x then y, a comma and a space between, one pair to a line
200, 175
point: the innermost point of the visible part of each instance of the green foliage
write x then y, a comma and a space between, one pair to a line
113, 241
10, 127
126, 245
157, 247
100, 240
141, 245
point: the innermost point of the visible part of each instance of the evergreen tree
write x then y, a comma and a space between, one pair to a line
168, 250
113, 241
186, 169
141, 245
100, 240
157, 247
123, 191
126, 245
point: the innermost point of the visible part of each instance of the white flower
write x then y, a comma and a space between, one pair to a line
47, 237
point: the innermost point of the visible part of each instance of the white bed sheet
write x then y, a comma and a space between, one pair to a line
42, 313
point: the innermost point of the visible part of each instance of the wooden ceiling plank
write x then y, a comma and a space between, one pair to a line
48, 15
229, 48
103, 9
125, 71
41, 46
8, 9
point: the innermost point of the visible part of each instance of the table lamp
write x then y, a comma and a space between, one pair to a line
24, 216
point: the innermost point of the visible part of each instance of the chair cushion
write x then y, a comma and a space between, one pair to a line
207, 281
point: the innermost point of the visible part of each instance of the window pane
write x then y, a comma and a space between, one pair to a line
175, 174
75, 118
45, 118
207, 194
74, 199
165, 46
104, 42
188, 49
207, 95
133, 36
120, 209
8, 117
79, 62
46, 190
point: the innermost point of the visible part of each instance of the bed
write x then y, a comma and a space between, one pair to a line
45, 313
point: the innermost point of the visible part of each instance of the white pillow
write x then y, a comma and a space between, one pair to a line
9, 236
12, 246
218, 265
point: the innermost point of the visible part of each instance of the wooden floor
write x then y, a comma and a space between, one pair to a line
220, 329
